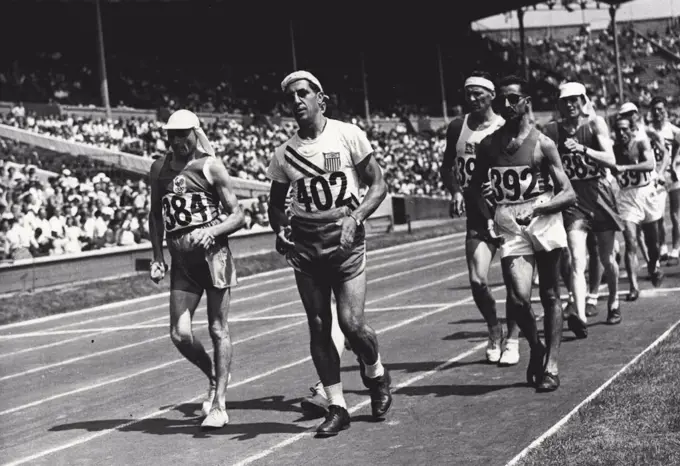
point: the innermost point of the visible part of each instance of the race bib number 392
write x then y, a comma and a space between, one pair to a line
184, 210
515, 184
325, 192
577, 167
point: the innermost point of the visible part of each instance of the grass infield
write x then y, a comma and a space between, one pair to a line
56, 301
634, 421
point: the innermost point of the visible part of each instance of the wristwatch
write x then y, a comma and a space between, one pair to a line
358, 222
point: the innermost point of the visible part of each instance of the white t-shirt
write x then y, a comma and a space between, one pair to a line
322, 171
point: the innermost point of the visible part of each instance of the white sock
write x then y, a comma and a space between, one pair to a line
571, 297
591, 299
374, 370
335, 396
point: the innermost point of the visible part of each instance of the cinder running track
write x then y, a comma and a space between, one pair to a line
107, 387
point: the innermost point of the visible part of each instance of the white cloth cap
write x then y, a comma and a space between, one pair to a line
185, 119
297, 76
628, 107
577, 89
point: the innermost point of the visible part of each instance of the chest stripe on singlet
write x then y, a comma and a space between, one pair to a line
303, 161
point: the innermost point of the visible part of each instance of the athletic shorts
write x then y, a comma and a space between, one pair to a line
317, 250
476, 223
595, 209
196, 269
543, 233
645, 204
673, 180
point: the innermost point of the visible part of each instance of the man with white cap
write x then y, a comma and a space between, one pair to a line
519, 169
585, 148
638, 197
661, 137
462, 137
666, 148
325, 161
193, 202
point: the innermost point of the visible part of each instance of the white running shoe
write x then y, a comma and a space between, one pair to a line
493, 351
217, 418
207, 404
317, 404
510, 355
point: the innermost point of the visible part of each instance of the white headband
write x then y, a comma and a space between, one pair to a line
481, 82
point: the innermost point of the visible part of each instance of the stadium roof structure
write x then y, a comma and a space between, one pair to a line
471, 11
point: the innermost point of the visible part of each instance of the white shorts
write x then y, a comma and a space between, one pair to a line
642, 205
543, 233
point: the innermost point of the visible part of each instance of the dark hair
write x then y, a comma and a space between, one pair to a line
481, 74
514, 79
657, 100
625, 117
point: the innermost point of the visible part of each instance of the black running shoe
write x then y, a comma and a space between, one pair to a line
614, 316
337, 419
591, 310
633, 295
577, 326
657, 277
549, 383
380, 389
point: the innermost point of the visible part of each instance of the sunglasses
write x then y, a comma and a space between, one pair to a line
513, 99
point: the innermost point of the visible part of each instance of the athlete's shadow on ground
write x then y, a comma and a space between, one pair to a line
164, 426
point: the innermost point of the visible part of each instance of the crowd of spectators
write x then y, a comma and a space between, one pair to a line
589, 58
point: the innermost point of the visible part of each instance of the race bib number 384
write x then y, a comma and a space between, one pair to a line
515, 184
184, 210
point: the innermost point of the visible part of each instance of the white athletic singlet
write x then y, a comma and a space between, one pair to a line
322, 171
467, 145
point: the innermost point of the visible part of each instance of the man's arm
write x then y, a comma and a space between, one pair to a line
156, 227
448, 170
564, 192
604, 157
222, 182
645, 161
480, 176
277, 206
371, 175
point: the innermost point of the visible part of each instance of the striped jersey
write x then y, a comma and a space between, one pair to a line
322, 171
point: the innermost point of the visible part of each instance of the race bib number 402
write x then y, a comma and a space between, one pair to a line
515, 184
578, 167
325, 192
184, 210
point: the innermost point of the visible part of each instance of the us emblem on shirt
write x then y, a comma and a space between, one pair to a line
331, 161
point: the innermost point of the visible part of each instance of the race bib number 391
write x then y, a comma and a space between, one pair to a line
184, 210
577, 167
633, 179
515, 184
324, 192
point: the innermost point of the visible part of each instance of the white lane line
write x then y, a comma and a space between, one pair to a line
553, 430
243, 299
143, 326
90, 437
162, 337
136, 374
128, 302
360, 405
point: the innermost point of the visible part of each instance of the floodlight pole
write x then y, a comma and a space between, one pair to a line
364, 80
615, 33
441, 83
292, 44
103, 81
522, 45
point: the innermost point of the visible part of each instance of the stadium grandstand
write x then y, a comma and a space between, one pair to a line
96, 111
